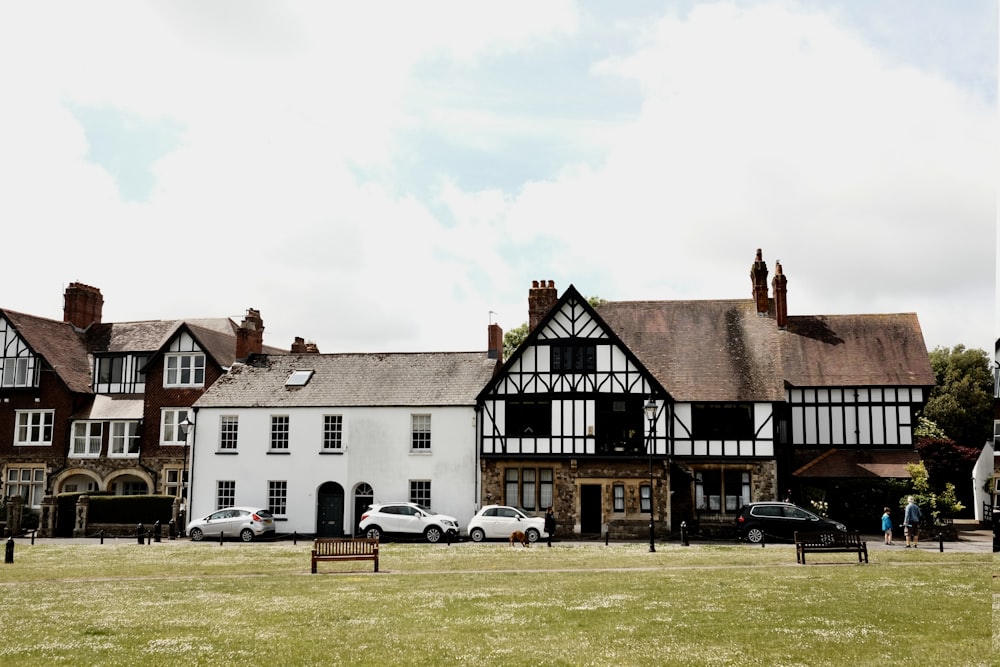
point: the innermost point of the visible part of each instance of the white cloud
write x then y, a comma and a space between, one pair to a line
305, 183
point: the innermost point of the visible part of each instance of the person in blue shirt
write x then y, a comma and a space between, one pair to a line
887, 526
911, 522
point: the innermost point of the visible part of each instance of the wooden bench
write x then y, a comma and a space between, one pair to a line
344, 548
829, 541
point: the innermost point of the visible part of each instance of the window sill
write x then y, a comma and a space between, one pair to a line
226, 452
331, 452
420, 452
278, 452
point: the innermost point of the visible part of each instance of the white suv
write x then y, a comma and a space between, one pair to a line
406, 519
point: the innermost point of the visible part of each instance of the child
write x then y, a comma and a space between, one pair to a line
887, 526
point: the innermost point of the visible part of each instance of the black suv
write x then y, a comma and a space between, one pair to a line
778, 521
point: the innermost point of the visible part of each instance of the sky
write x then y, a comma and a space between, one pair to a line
392, 176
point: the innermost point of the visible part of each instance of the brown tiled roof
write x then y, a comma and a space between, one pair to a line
859, 463
59, 344
348, 380
724, 351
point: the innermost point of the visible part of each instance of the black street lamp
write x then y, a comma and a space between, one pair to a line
185, 428
650, 409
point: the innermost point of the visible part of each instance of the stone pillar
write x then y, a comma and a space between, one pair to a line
80, 520
15, 508
47, 522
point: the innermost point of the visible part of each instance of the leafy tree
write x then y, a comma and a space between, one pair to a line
962, 402
937, 505
512, 339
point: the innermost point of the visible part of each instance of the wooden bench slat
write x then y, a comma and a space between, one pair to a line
337, 548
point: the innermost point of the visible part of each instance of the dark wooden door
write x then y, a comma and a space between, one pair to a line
590, 509
330, 510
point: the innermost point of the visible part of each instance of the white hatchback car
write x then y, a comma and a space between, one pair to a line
494, 522
407, 519
243, 522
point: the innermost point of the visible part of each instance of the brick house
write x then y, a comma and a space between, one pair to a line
92, 406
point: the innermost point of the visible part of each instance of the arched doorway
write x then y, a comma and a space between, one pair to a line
364, 496
330, 510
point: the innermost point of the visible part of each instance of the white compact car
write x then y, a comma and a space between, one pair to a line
495, 522
406, 519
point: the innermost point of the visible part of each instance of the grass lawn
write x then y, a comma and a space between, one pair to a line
488, 604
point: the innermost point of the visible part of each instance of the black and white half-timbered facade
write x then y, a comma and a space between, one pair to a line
749, 403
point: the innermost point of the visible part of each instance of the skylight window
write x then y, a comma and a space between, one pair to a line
298, 379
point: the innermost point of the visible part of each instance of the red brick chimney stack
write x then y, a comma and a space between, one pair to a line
758, 275
780, 285
82, 305
300, 346
541, 297
494, 342
250, 335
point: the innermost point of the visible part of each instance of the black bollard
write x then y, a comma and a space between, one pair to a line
8, 556
684, 534
220, 538
941, 542
295, 537
172, 529
157, 531
607, 534
101, 534
138, 533
33, 537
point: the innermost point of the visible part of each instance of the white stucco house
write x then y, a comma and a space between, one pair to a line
317, 438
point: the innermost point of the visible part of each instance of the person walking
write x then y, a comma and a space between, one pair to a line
550, 523
887, 526
911, 522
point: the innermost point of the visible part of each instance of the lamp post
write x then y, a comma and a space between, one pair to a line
650, 409
185, 429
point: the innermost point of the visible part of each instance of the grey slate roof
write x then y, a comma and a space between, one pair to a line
432, 379
723, 351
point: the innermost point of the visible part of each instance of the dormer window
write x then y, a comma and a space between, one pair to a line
299, 379
184, 370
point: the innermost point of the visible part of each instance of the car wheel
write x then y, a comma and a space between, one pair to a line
196, 534
373, 533
755, 536
433, 534
532, 535
246, 535
477, 535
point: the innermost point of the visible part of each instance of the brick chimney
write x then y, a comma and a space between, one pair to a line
494, 342
541, 297
82, 305
780, 285
758, 275
300, 346
250, 335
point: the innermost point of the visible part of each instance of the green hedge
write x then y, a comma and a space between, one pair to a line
131, 509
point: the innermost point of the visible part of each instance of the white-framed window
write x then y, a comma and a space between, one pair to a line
279, 432
186, 369
174, 479
420, 492
170, 431
618, 496
28, 482
87, 438
124, 440
225, 493
34, 427
15, 372
229, 432
333, 432
277, 497
420, 429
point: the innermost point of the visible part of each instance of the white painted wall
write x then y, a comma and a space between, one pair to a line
376, 451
